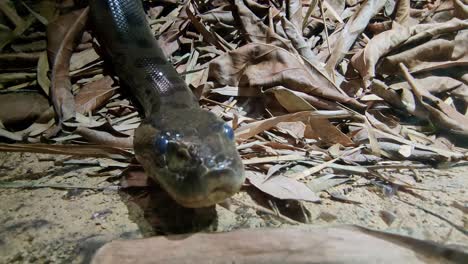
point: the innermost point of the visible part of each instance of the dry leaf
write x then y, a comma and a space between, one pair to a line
20, 109
345, 244
351, 31
62, 35
282, 187
94, 94
255, 31
256, 66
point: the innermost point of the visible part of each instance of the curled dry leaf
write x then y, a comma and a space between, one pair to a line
256, 66
61, 39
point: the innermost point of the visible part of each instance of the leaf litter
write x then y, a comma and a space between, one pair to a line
320, 93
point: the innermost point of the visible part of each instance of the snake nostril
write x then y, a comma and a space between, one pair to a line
220, 158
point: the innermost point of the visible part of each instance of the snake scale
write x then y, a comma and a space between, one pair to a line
189, 151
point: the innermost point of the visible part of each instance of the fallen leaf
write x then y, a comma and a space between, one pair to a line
256, 66
443, 115
255, 31
42, 70
252, 129
282, 187
21, 109
351, 31
343, 244
61, 38
94, 94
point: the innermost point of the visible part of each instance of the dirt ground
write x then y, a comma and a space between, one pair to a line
67, 225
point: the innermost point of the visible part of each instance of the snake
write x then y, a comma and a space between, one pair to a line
188, 150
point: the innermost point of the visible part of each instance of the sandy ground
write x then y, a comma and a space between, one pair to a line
57, 225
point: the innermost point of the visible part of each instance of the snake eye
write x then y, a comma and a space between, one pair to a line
161, 144
228, 131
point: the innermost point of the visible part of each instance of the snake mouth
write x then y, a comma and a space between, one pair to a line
215, 186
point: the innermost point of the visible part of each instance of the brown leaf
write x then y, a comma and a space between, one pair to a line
297, 40
322, 128
21, 108
402, 12
294, 12
256, 66
343, 244
396, 152
425, 55
207, 35
366, 59
442, 114
252, 129
352, 30
62, 35
217, 15
169, 40
94, 94
399, 98
256, 31
42, 70
282, 187
297, 101
82, 58
460, 9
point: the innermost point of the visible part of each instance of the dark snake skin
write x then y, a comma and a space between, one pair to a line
188, 150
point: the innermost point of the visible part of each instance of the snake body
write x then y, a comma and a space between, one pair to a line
189, 151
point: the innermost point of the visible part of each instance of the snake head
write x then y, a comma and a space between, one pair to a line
192, 154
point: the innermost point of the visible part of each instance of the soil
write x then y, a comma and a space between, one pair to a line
67, 225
